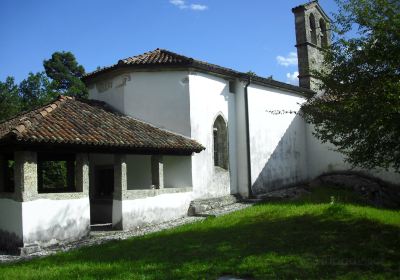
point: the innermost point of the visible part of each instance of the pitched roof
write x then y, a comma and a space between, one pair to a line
165, 58
91, 123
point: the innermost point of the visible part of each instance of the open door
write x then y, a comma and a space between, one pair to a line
102, 197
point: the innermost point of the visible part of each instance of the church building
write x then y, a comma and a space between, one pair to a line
159, 131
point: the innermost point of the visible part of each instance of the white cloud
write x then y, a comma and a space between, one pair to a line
292, 78
198, 7
290, 59
181, 4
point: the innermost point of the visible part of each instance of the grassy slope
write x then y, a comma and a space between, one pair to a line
306, 239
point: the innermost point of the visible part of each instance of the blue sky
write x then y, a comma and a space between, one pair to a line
255, 35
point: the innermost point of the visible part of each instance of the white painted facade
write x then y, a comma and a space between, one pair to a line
46, 220
323, 159
277, 142
282, 148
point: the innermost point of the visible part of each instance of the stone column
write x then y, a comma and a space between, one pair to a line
26, 175
120, 188
82, 173
157, 171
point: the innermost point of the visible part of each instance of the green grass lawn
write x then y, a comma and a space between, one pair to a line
306, 239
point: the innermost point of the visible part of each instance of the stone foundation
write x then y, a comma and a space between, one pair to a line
373, 190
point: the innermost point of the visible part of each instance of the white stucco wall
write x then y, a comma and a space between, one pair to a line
153, 210
11, 216
46, 220
277, 142
323, 159
210, 96
241, 142
159, 98
109, 91
177, 171
138, 172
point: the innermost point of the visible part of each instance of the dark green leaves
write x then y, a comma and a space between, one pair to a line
359, 111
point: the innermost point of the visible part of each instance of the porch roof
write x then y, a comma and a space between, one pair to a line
90, 123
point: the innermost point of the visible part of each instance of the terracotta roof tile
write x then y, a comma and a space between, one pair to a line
92, 123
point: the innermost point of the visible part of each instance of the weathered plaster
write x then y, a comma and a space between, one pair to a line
324, 159
277, 142
46, 221
146, 95
209, 97
177, 171
155, 209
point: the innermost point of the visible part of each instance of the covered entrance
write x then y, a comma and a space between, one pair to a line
101, 197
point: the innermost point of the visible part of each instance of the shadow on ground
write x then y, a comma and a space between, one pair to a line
262, 242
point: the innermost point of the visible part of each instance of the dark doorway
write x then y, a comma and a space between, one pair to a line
101, 199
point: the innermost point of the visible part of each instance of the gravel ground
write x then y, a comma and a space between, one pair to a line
100, 237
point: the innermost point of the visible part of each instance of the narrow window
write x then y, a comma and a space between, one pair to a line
220, 136
313, 30
324, 33
56, 173
215, 135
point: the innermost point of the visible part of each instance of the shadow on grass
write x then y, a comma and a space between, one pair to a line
328, 245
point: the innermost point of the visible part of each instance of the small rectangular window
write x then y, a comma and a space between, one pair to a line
232, 87
56, 173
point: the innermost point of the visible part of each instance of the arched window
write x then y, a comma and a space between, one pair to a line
324, 33
220, 136
313, 30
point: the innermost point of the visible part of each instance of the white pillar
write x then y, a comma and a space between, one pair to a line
26, 175
120, 187
157, 171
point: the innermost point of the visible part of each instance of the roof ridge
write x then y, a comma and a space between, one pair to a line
122, 61
177, 54
27, 122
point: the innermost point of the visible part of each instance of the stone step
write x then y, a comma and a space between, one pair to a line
29, 249
198, 206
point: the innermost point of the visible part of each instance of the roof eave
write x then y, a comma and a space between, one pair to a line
227, 73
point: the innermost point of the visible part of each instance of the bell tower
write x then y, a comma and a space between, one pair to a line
312, 36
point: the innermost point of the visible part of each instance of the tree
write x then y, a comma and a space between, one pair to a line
9, 99
35, 90
359, 110
66, 74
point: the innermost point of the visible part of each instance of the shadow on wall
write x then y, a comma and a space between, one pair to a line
286, 164
10, 242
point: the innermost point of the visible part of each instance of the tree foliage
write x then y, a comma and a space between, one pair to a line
9, 98
66, 74
359, 108
35, 90
62, 76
